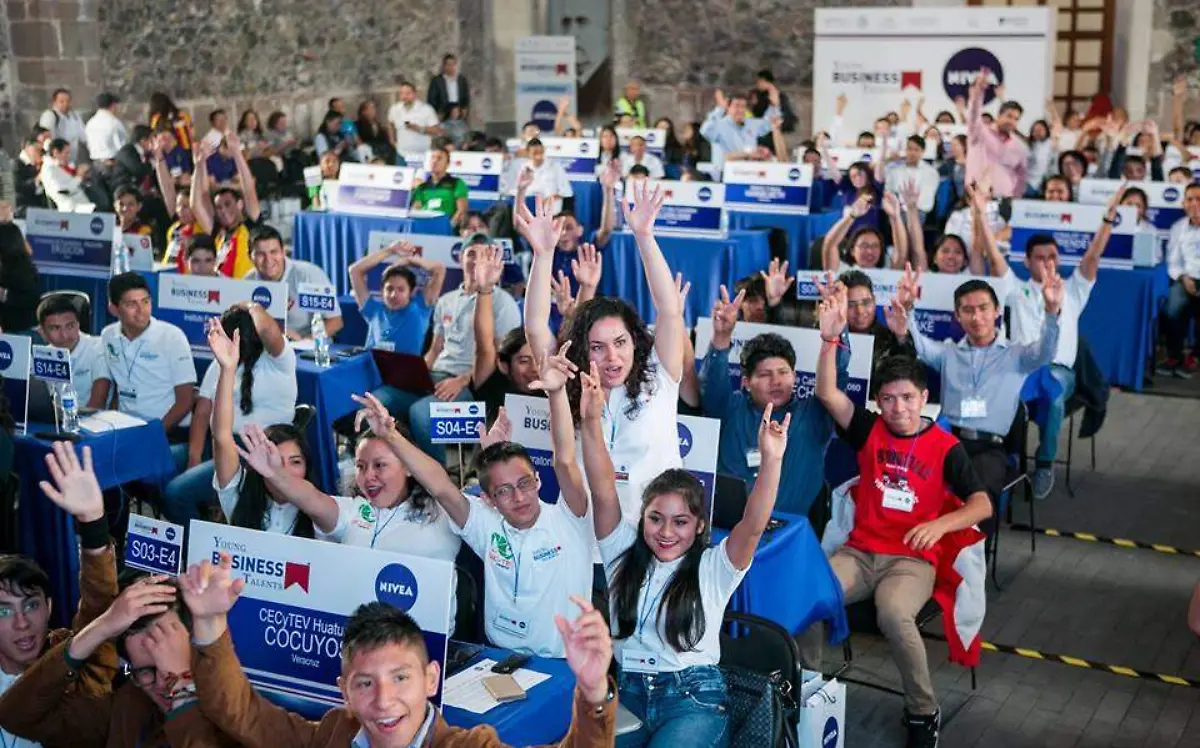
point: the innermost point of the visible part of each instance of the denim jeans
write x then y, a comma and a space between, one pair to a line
1048, 445
1180, 310
687, 709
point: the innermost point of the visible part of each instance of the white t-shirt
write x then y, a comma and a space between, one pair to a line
418, 113
529, 575
962, 224
1029, 313
88, 364
649, 160
719, 578
923, 174
7, 738
105, 135
399, 529
296, 272
281, 516
274, 393
1183, 250
147, 369
454, 320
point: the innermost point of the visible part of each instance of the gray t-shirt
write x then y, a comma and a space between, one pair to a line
454, 319
296, 272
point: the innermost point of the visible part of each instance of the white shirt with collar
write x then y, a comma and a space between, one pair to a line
453, 319
63, 188
418, 113
296, 272
401, 529
362, 740
106, 134
649, 160
719, 579
1183, 250
549, 180
273, 395
530, 575
1029, 312
923, 174
147, 369
451, 88
88, 364
68, 126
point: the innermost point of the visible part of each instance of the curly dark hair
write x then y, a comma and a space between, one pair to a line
579, 326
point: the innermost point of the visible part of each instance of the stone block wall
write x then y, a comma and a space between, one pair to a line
1176, 28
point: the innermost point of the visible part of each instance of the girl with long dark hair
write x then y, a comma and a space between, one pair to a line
19, 289
610, 146
164, 114
668, 588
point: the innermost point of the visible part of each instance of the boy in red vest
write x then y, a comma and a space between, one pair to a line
906, 468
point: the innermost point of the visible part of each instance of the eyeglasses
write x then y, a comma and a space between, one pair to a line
143, 676
863, 304
526, 485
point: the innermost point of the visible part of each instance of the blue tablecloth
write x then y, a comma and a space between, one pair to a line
705, 263
47, 533
95, 288
542, 718
1119, 322
790, 581
334, 240
328, 390
801, 230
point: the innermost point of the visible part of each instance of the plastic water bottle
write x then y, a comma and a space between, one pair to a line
70, 408
121, 260
320, 340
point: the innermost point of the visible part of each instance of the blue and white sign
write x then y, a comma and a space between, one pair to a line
154, 545
807, 344
287, 626
481, 172
456, 423
699, 439
189, 301
14, 375
1164, 201
530, 418
1073, 225
842, 158
544, 68
51, 364
934, 308
656, 139
373, 190
445, 249
141, 251
691, 209
317, 298
763, 187
79, 244
578, 156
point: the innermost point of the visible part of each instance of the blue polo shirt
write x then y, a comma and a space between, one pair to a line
402, 331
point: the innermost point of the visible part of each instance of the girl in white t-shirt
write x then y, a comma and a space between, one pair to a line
668, 588
639, 372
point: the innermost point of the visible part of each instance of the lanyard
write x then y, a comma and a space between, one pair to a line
379, 530
612, 430
650, 607
912, 448
977, 372
129, 366
516, 560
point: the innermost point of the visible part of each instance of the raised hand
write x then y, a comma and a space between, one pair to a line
1052, 291
170, 645
147, 596
860, 206
543, 230
682, 288
261, 454
611, 174
891, 204
591, 395
842, 101
524, 178
226, 350
833, 312
980, 84
586, 267
720, 100
75, 489
403, 249
724, 317
1114, 202
560, 286
554, 371
910, 193
908, 288
375, 415
776, 280
772, 435
501, 430
896, 317
564, 103
209, 590
1000, 91
641, 206
233, 141
589, 650
489, 268
1179, 87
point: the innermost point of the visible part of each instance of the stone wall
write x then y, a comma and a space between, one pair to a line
1176, 28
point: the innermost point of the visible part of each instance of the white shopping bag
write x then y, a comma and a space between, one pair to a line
822, 722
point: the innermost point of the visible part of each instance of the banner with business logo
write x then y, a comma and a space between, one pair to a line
699, 439
481, 172
878, 57
14, 375
287, 626
934, 308
578, 156
153, 545
373, 190
530, 417
545, 72
456, 422
1164, 201
656, 139
689, 209
51, 365
763, 187
807, 344
79, 244
445, 249
190, 301
844, 158
1073, 225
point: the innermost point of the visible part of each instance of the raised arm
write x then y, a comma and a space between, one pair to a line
831, 246
359, 269
891, 207
542, 232
436, 277
833, 315
1179, 91
910, 192
267, 328
245, 177
489, 266
714, 372
226, 353
641, 209
202, 206
555, 371
983, 237
162, 174
263, 457
1089, 264
587, 268
597, 463
777, 139
1039, 353
608, 213
772, 442
975, 124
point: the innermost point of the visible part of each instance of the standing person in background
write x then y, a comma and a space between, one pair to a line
230, 214
374, 133
64, 123
399, 319
106, 133
631, 104
413, 122
729, 130
1000, 148
761, 100
448, 88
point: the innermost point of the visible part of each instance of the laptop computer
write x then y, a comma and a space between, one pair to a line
404, 371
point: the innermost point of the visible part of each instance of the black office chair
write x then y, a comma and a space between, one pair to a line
80, 300
304, 414
1018, 473
468, 595
761, 664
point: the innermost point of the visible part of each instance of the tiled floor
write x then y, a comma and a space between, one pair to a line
1092, 601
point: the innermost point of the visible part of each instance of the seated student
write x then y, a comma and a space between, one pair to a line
1057, 189
637, 155
386, 681
127, 203
442, 191
59, 326
264, 390
1180, 175
913, 170
950, 252
400, 320
177, 202
59, 180
860, 293
982, 375
271, 263
866, 244
1028, 314
25, 603
149, 361
229, 214
547, 177
667, 588
201, 256
906, 469
768, 380
536, 556
1183, 301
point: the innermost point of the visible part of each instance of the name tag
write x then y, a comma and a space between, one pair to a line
435, 202
639, 661
974, 407
511, 625
127, 394
622, 476
753, 458
899, 499
385, 345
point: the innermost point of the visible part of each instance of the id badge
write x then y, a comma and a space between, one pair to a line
899, 499
753, 458
385, 345
974, 407
639, 661
622, 475
435, 203
511, 625
127, 394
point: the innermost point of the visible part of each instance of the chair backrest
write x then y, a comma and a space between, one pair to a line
303, 416
467, 595
759, 645
80, 300
1014, 440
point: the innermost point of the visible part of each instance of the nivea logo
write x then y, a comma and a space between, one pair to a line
170, 533
396, 586
456, 252
704, 194
473, 409
96, 225
261, 295
685, 440
1171, 194
6, 355
486, 163
584, 147
829, 735
794, 174
543, 114
1116, 220
963, 67
398, 177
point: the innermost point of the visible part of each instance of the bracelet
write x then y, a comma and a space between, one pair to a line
94, 534
1109, 221
485, 293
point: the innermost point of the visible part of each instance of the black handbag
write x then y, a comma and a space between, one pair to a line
762, 712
